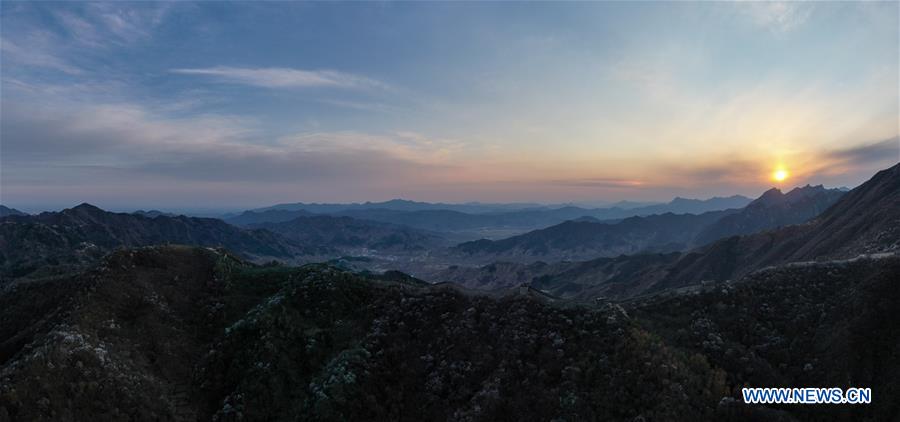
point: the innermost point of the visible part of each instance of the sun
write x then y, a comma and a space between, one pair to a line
780, 175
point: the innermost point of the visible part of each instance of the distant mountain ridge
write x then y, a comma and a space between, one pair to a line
78, 235
463, 218
154, 213
771, 210
248, 218
678, 206
681, 205
865, 220
401, 205
581, 240
588, 238
6, 211
351, 235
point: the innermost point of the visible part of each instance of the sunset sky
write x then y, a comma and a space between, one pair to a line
228, 105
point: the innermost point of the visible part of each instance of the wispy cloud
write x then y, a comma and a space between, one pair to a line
279, 77
653, 75
35, 53
403, 145
124, 132
125, 23
599, 183
777, 16
56, 140
819, 165
623, 104
718, 170
101, 25
363, 106
78, 28
81, 26
875, 152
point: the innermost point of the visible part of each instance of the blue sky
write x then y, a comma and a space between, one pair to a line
214, 104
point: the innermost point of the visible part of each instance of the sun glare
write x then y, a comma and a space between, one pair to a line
780, 175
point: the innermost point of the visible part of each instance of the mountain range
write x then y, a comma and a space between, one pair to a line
389, 240
580, 240
403, 205
351, 235
865, 220
154, 213
678, 205
79, 236
145, 330
772, 209
587, 238
171, 333
82, 234
179, 333
470, 222
6, 211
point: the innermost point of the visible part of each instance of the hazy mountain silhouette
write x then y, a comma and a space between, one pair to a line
247, 218
694, 206
188, 333
588, 238
402, 205
154, 213
79, 235
348, 234
580, 240
477, 219
773, 209
865, 220
6, 211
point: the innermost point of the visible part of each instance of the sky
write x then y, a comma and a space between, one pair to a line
218, 105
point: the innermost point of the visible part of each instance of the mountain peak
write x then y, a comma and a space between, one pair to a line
770, 195
85, 207
808, 188
396, 201
805, 192
5, 211
84, 211
678, 200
